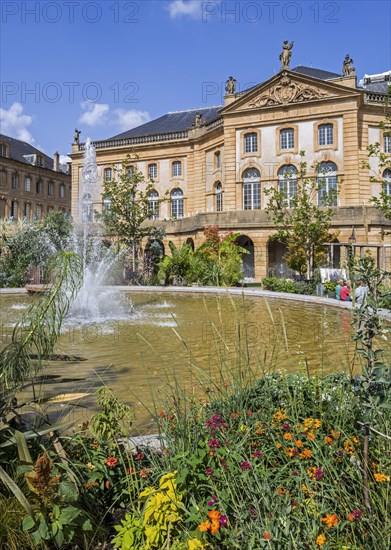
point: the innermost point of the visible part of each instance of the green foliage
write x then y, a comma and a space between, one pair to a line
129, 216
31, 244
287, 285
113, 418
34, 337
218, 261
161, 512
304, 226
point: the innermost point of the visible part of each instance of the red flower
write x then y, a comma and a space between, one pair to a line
267, 535
111, 461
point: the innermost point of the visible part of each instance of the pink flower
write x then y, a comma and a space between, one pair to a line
319, 473
223, 521
215, 422
212, 501
213, 443
111, 461
209, 472
245, 465
357, 513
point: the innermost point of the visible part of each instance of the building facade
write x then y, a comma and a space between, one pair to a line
31, 183
216, 163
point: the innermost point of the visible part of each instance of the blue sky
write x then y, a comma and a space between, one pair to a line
105, 66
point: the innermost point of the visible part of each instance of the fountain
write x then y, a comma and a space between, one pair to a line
94, 303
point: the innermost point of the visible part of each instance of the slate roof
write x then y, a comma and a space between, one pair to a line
379, 87
172, 122
18, 148
315, 73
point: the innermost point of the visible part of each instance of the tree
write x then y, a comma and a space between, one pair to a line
302, 224
128, 207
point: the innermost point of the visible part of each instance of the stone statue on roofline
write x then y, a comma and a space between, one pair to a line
347, 68
76, 137
286, 54
230, 85
198, 121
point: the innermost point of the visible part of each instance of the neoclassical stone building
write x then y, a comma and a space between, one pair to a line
217, 162
31, 183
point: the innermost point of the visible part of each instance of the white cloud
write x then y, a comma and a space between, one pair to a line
14, 123
125, 120
183, 8
94, 114
98, 114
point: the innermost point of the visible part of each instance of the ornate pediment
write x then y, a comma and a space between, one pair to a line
287, 90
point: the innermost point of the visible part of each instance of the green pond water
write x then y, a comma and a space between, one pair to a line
190, 340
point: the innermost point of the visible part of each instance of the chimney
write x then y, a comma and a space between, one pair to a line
56, 161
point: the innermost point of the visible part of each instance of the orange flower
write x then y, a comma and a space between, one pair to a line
330, 520
380, 477
267, 535
290, 452
350, 517
335, 434
299, 443
260, 431
280, 491
215, 526
311, 436
214, 515
288, 436
307, 453
311, 472
328, 440
144, 473
321, 540
278, 445
204, 526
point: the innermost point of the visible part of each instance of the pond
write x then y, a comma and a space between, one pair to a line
166, 339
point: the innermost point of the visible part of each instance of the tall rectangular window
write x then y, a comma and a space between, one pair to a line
176, 168
325, 134
287, 138
27, 183
251, 143
387, 144
152, 171
14, 181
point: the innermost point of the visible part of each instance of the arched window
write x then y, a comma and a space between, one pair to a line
219, 197
62, 191
153, 205
152, 171
327, 184
325, 134
39, 186
50, 188
251, 142
86, 208
177, 203
387, 182
251, 189
287, 183
38, 211
3, 150
108, 174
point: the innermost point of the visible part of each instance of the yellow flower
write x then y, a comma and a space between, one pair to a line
288, 436
321, 540
280, 415
278, 445
195, 544
90, 466
243, 428
381, 477
335, 434
328, 440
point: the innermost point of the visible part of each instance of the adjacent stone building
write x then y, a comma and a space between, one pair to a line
31, 183
217, 162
